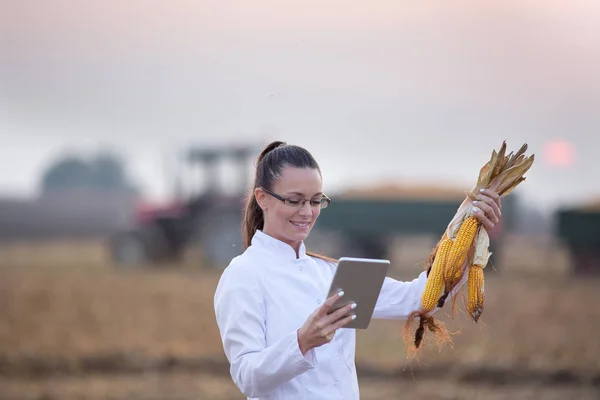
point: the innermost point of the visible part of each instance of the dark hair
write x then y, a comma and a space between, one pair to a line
276, 156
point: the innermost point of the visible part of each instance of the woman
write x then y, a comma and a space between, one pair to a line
276, 332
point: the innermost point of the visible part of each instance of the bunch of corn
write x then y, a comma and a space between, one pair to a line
464, 245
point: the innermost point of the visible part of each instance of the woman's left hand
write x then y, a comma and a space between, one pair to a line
487, 208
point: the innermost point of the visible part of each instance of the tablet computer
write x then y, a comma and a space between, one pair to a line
361, 280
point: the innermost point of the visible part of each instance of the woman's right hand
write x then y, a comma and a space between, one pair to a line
320, 326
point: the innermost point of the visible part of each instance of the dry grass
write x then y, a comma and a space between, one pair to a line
527, 323
192, 386
64, 300
72, 310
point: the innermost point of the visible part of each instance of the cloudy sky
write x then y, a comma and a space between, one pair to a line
376, 90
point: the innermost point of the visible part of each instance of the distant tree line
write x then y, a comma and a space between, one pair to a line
104, 171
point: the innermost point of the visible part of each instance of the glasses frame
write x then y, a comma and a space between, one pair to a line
324, 203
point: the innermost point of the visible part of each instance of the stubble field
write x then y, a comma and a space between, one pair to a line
72, 326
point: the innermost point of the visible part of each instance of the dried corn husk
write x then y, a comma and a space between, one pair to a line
482, 244
502, 174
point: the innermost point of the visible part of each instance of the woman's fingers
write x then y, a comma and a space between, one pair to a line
329, 332
494, 204
340, 323
340, 313
492, 194
327, 304
481, 217
322, 324
489, 210
335, 321
325, 322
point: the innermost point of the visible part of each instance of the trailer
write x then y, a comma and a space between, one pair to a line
364, 225
578, 228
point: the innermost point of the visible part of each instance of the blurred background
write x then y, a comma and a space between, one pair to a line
129, 135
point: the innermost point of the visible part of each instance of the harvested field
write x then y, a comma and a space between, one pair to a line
74, 327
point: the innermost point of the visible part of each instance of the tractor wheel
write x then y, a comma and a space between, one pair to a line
128, 250
219, 238
137, 248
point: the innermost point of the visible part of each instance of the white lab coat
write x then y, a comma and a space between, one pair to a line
264, 296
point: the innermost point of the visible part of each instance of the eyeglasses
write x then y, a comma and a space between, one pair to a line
299, 202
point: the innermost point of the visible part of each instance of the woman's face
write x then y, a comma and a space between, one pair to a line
291, 224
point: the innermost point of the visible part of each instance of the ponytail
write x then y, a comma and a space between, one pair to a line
253, 220
253, 215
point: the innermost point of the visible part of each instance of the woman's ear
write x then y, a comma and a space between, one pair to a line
261, 198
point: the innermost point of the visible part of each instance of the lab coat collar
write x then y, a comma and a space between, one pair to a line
277, 247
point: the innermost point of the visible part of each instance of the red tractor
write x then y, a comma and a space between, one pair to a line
208, 219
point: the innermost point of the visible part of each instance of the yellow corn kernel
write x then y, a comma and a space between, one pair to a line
460, 249
435, 281
476, 291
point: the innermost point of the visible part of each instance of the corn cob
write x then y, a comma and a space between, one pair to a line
475, 280
435, 281
476, 291
458, 254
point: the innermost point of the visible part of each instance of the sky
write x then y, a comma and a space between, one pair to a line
381, 90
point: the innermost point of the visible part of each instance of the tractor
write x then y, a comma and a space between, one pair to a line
207, 218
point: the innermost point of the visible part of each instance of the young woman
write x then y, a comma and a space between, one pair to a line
269, 303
